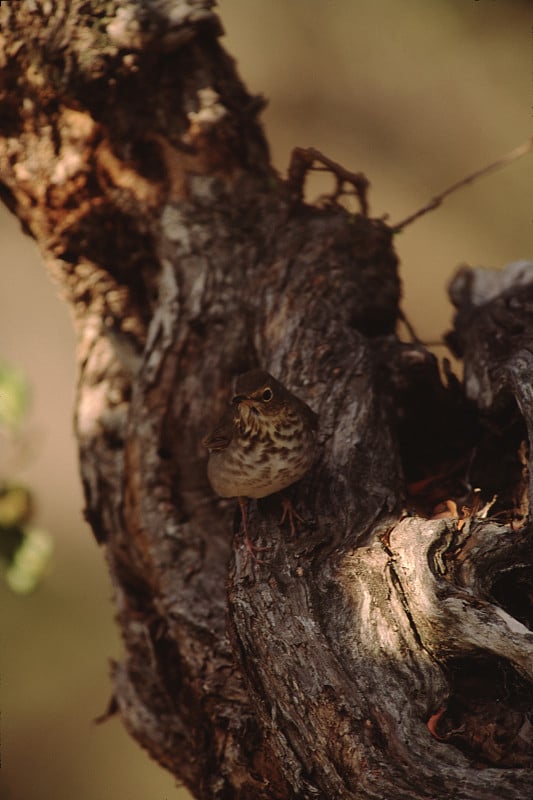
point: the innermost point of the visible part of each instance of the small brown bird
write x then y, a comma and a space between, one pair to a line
264, 443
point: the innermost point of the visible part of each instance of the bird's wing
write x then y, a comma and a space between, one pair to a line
222, 435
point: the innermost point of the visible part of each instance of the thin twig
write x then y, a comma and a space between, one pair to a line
518, 152
410, 330
303, 161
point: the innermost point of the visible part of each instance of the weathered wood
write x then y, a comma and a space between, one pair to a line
133, 154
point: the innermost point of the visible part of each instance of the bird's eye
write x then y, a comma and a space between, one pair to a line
267, 395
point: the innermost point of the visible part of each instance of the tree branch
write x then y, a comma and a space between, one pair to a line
134, 155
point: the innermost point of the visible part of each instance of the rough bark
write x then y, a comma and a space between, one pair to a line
380, 654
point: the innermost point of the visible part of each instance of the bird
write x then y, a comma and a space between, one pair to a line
265, 442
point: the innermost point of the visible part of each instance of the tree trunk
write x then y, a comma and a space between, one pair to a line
385, 651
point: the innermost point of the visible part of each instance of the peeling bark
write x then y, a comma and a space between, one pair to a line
387, 650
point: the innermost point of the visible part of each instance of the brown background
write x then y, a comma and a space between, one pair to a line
415, 94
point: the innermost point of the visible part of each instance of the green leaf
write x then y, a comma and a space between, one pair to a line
28, 561
14, 396
15, 505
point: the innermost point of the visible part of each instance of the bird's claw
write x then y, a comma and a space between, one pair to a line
288, 511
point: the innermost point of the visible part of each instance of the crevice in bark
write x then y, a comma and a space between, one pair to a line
512, 591
489, 712
450, 450
436, 427
499, 462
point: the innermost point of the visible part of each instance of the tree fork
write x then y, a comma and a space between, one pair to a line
344, 666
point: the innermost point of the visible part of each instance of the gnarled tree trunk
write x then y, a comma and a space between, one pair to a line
386, 651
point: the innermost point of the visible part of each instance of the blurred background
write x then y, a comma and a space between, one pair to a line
417, 95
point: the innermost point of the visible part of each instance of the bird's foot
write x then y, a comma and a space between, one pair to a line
251, 548
290, 514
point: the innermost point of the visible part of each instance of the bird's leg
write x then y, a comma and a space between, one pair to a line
288, 511
251, 548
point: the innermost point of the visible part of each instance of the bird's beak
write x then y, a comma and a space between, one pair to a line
241, 398
240, 401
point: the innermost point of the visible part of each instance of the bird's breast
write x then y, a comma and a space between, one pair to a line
262, 459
